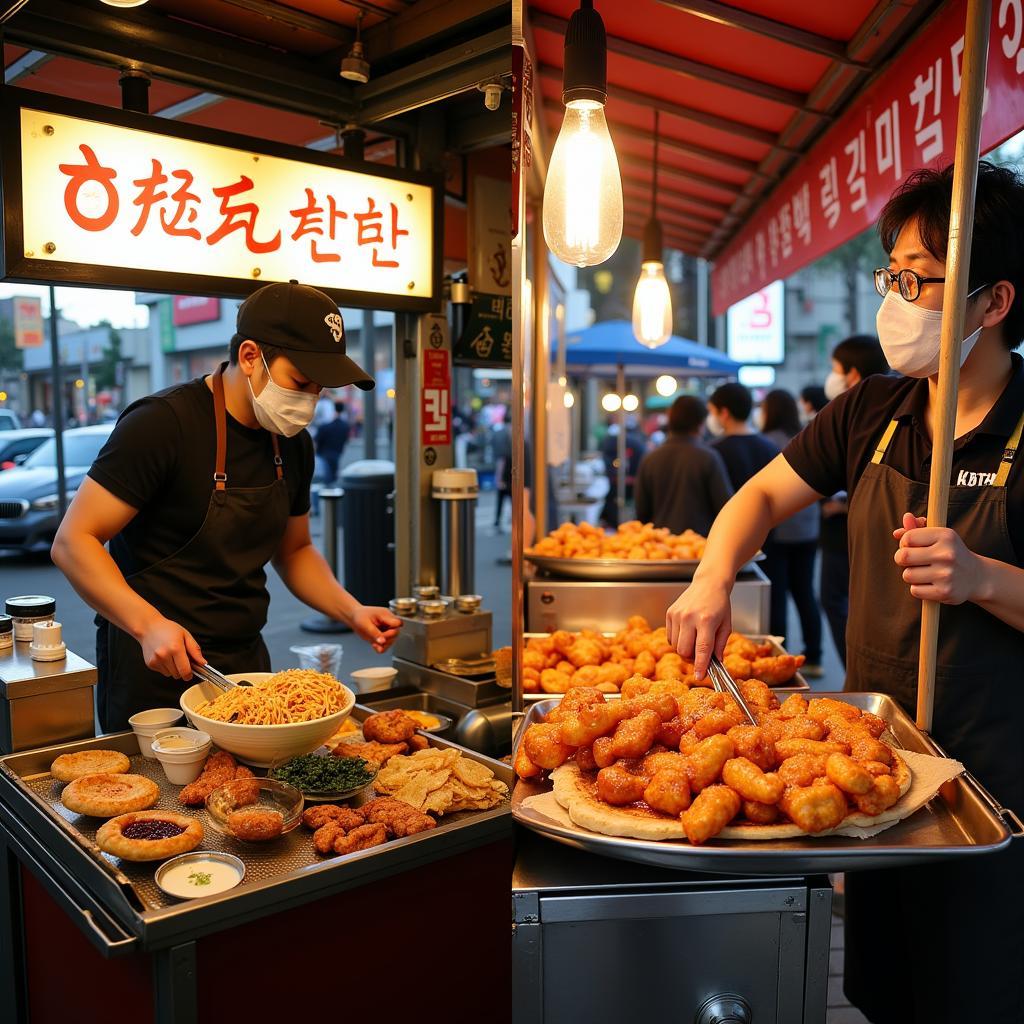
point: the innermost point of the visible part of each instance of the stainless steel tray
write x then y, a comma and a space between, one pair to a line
29, 793
963, 821
798, 682
619, 570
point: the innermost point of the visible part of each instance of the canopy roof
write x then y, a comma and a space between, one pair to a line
600, 350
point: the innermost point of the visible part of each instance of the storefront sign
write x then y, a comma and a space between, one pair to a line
28, 322
522, 124
195, 309
756, 326
905, 120
487, 337
94, 195
436, 398
490, 243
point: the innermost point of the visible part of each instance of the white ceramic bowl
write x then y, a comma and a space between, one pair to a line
367, 680
182, 766
262, 745
146, 724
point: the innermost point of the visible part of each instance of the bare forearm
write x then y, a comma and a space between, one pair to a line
308, 576
1000, 591
99, 582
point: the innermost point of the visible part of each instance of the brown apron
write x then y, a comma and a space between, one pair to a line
214, 586
943, 943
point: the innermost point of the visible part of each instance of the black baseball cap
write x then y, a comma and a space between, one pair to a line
305, 324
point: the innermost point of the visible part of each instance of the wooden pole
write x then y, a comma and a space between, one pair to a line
954, 299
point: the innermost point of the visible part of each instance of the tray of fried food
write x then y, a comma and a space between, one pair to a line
674, 762
340, 828
381, 736
554, 663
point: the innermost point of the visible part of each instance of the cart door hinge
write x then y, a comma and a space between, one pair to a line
525, 908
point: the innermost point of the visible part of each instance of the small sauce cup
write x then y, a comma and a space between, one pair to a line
146, 724
181, 753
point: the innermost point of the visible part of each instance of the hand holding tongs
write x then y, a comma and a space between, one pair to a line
210, 675
724, 683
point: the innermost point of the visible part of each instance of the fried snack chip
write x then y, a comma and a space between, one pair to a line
441, 782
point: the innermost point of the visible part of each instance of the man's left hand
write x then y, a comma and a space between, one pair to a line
377, 626
936, 562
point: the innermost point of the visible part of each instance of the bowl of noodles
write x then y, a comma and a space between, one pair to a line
281, 715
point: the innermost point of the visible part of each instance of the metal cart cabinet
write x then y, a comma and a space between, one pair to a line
605, 941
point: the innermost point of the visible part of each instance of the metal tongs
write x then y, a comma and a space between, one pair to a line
215, 678
724, 683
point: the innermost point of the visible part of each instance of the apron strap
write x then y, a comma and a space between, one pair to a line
277, 456
883, 442
220, 477
1009, 453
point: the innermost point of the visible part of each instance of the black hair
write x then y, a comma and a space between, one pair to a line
861, 352
736, 398
686, 414
814, 395
270, 353
997, 248
779, 412
339, 406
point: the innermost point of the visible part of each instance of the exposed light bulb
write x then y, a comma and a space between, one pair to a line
355, 67
611, 402
652, 306
631, 403
666, 385
569, 399
583, 191
124, 3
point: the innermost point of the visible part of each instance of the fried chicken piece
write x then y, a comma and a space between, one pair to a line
400, 818
671, 666
778, 670
814, 808
585, 652
876, 768
884, 792
873, 724
244, 795
794, 706
668, 791
712, 809
552, 681
822, 708
868, 749
618, 787
576, 698
318, 815
255, 826
803, 769
670, 733
378, 753
663, 704
636, 685
849, 775
803, 727
699, 701
715, 721
324, 837
602, 751
361, 838
219, 768
760, 814
787, 748
638, 623
660, 760
737, 667
418, 742
757, 693
746, 648
704, 764
752, 743
645, 664
544, 747
584, 758
750, 782
688, 741
523, 766
634, 736
531, 680
589, 675
584, 726
389, 727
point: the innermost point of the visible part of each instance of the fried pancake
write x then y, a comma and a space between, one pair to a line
105, 796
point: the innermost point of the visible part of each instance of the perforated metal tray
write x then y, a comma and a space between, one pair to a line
964, 820
619, 570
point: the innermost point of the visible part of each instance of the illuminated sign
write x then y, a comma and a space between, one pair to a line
756, 326
195, 309
99, 196
28, 322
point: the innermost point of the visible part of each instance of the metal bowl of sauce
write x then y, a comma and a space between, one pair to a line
202, 873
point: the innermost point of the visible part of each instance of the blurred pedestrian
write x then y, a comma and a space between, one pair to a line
636, 447
790, 553
812, 400
331, 439
501, 444
743, 451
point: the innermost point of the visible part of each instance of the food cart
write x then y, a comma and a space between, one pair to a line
412, 124
792, 130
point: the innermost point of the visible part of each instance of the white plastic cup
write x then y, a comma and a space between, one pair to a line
184, 765
320, 658
368, 680
146, 724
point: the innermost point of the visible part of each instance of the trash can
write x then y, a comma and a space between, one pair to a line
368, 530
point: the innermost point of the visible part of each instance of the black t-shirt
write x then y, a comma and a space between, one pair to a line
160, 460
831, 453
744, 455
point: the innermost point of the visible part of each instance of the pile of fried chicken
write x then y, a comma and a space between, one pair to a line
339, 829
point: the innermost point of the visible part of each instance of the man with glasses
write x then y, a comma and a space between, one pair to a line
945, 927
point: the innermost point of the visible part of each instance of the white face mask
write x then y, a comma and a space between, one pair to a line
835, 385
714, 425
910, 336
281, 410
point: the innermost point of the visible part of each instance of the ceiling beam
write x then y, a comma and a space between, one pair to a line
200, 101
290, 17
769, 28
427, 20
681, 65
26, 64
639, 194
679, 182
701, 117
636, 163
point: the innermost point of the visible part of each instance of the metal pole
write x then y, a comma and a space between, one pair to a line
369, 397
330, 502
58, 405
954, 298
541, 367
620, 478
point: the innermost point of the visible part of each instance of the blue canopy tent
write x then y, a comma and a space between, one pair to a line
610, 349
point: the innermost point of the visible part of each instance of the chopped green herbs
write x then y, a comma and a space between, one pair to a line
200, 878
314, 774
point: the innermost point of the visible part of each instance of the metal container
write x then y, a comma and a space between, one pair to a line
585, 927
403, 605
963, 820
457, 490
466, 604
44, 702
469, 691
449, 635
577, 604
619, 570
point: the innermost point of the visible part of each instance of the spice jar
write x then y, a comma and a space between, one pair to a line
6, 633
27, 610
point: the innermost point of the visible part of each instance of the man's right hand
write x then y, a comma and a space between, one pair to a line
169, 649
700, 621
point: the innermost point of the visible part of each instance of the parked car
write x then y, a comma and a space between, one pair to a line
9, 420
17, 445
28, 493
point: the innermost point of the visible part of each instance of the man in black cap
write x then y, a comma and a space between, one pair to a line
197, 489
